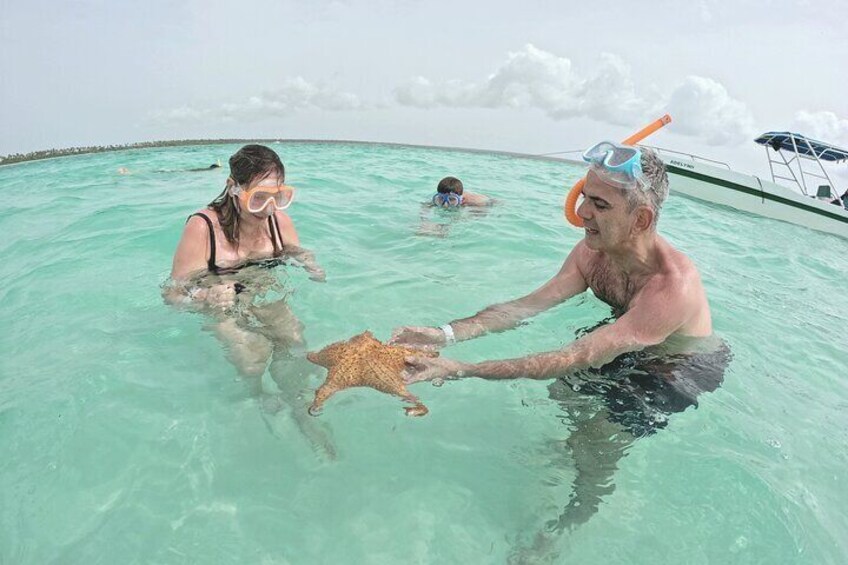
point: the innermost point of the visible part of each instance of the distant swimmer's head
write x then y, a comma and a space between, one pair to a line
123, 171
448, 193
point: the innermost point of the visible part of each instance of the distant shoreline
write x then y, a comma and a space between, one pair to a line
53, 153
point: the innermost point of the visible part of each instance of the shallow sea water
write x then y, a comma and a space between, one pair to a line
127, 437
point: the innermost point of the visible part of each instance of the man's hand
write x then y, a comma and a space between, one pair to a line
419, 337
429, 368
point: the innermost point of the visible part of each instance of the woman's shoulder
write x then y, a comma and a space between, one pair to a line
283, 219
198, 222
287, 230
199, 217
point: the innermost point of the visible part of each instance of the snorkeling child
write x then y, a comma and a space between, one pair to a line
450, 194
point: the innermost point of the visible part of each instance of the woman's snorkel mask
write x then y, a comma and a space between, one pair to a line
447, 200
256, 199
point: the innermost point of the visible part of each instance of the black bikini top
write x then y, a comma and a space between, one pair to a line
213, 268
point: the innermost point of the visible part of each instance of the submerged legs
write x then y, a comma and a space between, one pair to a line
291, 373
596, 445
248, 351
271, 331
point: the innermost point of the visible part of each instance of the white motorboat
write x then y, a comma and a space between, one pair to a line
808, 196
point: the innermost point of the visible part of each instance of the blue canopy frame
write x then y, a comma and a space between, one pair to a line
797, 143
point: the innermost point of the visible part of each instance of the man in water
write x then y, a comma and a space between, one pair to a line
661, 336
216, 165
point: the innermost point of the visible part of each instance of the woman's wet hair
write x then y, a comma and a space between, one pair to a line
249, 164
448, 185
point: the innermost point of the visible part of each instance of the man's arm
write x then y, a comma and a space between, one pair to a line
568, 282
657, 313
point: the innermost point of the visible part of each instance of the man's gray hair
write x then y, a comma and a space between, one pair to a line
656, 189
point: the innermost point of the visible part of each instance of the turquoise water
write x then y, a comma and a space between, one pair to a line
126, 435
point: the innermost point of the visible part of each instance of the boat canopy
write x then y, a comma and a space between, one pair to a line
797, 143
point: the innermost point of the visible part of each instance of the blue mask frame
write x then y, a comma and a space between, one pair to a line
447, 200
616, 158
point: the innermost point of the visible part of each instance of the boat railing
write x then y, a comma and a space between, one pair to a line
692, 156
797, 159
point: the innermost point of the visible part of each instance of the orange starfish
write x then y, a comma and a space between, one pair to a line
364, 361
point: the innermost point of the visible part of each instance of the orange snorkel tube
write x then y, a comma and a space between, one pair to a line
574, 194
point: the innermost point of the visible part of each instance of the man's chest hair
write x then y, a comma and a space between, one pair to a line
612, 285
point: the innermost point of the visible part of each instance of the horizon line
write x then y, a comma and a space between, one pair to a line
53, 153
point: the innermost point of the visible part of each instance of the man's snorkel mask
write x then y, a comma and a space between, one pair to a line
617, 165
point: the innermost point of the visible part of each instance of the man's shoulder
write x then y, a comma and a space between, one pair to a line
679, 264
586, 256
678, 275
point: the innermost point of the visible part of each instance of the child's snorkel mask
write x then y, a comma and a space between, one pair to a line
447, 200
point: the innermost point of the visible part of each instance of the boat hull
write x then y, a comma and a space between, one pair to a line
752, 194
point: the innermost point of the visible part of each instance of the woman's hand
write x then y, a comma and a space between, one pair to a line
430, 368
220, 296
419, 337
316, 273
307, 260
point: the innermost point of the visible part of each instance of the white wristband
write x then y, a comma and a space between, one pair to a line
450, 338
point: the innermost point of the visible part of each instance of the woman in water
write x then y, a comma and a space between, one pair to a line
223, 267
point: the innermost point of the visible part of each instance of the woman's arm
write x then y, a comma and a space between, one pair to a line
292, 244
190, 259
191, 254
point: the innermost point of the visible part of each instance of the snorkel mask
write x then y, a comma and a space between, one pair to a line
618, 165
447, 200
266, 192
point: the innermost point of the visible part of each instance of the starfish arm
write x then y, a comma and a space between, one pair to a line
385, 379
328, 355
408, 396
417, 408
324, 392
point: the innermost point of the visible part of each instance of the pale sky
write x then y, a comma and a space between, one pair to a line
530, 77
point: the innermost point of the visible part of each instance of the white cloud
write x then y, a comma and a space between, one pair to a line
824, 126
533, 78
530, 78
701, 107
294, 95
705, 11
